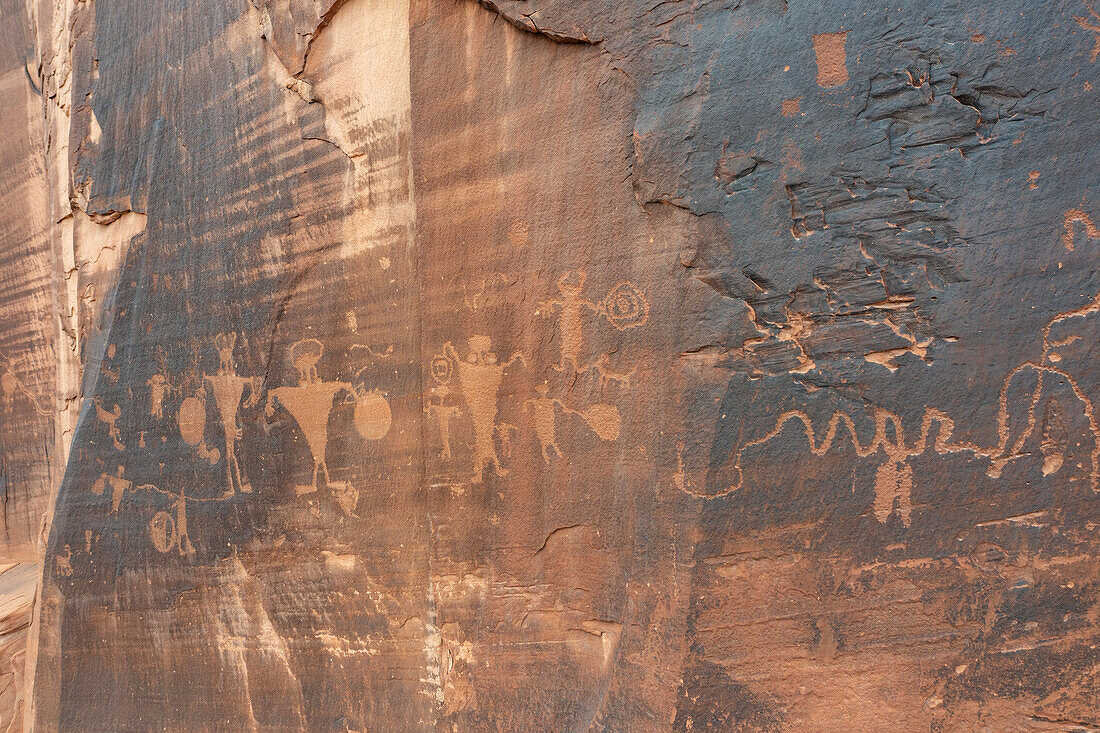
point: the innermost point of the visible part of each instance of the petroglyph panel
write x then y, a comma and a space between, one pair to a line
529, 365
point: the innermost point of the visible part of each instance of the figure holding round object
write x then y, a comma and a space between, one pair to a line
162, 531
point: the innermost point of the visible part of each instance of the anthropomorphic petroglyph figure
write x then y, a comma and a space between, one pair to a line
225, 343
479, 378
110, 419
607, 375
304, 355
116, 484
169, 532
228, 389
158, 390
1067, 334
894, 485
570, 307
440, 404
544, 412
310, 404
64, 564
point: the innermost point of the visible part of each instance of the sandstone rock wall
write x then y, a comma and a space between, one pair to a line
524, 365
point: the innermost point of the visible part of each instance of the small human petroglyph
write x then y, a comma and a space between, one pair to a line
624, 307
570, 308
168, 530
228, 389
64, 562
110, 419
1091, 24
440, 403
604, 420
1074, 217
479, 378
545, 417
117, 485
158, 390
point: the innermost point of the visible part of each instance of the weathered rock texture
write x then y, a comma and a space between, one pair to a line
531, 365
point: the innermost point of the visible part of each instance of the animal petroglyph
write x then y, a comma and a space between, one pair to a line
479, 378
625, 306
110, 419
894, 479
608, 375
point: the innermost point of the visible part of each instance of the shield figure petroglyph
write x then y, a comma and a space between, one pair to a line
479, 378
310, 403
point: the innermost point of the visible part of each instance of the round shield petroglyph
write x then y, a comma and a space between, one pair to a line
192, 420
604, 420
626, 306
162, 530
372, 415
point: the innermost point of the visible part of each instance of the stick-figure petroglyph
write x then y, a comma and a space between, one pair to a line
440, 404
624, 307
545, 417
110, 419
604, 420
169, 532
479, 378
228, 389
159, 386
894, 479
